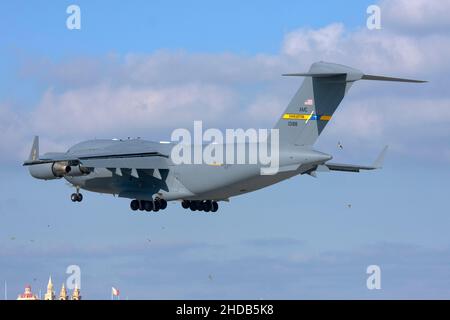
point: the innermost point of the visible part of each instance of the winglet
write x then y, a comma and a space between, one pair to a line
378, 164
34, 153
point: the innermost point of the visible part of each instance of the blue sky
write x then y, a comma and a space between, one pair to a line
249, 27
207, 60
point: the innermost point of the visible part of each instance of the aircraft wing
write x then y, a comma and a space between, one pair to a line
143, 160
135, 160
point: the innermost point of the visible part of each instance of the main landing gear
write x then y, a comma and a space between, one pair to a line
200, 205
145, 205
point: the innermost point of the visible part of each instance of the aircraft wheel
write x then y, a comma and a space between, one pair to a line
163, 204
215, 206
148, 206
142, 205
156, 205
76, 197
186, 204
207, 206
134, 205
193, 205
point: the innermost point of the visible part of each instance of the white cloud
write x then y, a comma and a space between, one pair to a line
325, 40
375, 51
12, 132
421, 16
127, 107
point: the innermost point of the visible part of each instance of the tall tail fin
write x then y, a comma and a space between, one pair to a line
317, 99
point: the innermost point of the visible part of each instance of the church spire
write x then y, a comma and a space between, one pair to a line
76, 295
63, 293
50, 294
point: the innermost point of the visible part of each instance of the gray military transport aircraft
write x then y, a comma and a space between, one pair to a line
144, 171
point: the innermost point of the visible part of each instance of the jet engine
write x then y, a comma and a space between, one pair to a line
76, 171
56, 170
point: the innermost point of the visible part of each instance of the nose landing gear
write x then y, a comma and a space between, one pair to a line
76, 197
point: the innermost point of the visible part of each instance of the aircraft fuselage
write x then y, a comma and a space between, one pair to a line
185, 181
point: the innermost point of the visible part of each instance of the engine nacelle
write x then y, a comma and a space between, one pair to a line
56, 170
49, 171
77, 171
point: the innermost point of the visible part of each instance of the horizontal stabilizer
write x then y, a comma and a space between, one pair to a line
311, 74
358, 77
382, 78
378, 163
347, 167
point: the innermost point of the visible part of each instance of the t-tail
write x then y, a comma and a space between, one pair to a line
314, 104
